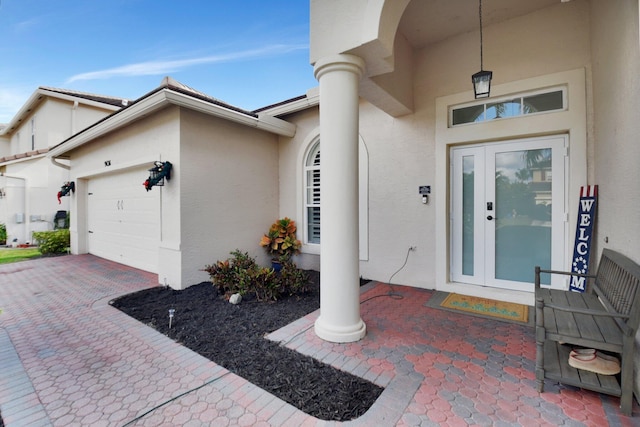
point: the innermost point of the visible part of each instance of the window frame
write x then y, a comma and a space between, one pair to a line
363, 182
313, 150
518, 96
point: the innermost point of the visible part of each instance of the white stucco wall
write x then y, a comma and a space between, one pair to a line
402, 150
5, 146
55, 120
38, 187
229, 191
58, 119
616, 83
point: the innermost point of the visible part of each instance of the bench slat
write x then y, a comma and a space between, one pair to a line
579, 329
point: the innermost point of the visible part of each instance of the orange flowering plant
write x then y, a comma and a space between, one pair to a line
280, 241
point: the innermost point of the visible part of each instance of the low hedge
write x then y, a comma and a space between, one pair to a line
52, 242
240, 274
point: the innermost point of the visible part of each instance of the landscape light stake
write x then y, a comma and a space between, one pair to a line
171, 313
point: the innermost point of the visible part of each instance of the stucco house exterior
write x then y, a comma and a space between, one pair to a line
394, 116
222, 193
29, 182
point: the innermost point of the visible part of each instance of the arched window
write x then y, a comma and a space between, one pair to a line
310, 160
312, 194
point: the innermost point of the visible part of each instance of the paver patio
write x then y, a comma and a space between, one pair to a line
68, 358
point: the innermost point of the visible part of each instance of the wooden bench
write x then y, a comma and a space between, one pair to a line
606, 318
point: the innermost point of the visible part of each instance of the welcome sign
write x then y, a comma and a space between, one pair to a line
584, 232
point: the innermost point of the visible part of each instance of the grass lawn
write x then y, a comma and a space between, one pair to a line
8, 255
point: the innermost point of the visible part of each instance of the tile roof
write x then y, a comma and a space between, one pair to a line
278, 104
171, 83
110, 100
23, 155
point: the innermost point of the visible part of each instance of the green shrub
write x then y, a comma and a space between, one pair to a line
52, 242
240, 274
293, 280
3, 233
232, 275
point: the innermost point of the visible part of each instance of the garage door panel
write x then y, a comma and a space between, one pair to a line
124, 220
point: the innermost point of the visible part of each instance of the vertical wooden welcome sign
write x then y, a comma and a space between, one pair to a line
584, 233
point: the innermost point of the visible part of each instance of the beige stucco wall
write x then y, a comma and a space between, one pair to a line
290, 152
229, 191
154, 137
616, 82
223, 193
402, 150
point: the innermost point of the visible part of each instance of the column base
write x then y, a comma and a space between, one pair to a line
340, 334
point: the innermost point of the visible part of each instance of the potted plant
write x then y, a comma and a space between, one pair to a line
280, 241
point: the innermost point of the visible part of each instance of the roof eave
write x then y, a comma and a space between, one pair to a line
312, 99
159, 100
35, 99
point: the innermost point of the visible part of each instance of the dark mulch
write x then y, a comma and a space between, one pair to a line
233, 336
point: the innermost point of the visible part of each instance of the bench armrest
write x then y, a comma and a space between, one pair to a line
564, 273
587, 311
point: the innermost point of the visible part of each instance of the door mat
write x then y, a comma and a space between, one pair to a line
483, 307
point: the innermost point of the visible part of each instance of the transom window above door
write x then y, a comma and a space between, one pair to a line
543, 101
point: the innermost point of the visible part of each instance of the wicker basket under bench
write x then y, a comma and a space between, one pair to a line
606, 318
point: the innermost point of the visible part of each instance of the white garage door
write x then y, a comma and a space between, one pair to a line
124, 219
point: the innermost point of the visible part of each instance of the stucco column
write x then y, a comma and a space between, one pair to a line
339, 319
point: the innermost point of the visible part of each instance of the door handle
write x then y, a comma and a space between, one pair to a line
489, 217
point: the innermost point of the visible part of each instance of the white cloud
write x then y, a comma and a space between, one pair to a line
165, 67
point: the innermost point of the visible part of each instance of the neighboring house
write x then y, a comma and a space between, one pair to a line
29, 183
396, 114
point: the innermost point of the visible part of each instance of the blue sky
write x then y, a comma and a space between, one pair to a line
249, 53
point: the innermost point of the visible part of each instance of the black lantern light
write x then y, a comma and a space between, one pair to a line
482, 79
157, 174
66, 189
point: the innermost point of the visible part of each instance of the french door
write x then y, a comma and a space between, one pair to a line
508, 211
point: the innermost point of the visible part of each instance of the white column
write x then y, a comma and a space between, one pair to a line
339, 319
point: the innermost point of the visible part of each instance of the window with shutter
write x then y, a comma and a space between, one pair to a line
312, 195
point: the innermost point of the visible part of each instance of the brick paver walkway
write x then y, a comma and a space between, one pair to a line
68, 358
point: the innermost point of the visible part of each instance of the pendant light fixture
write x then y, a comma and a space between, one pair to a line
482, 79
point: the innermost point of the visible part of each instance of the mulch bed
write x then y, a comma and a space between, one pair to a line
233, 336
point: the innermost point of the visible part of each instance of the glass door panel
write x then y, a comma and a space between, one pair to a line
522, 214
503, 221
468, 214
